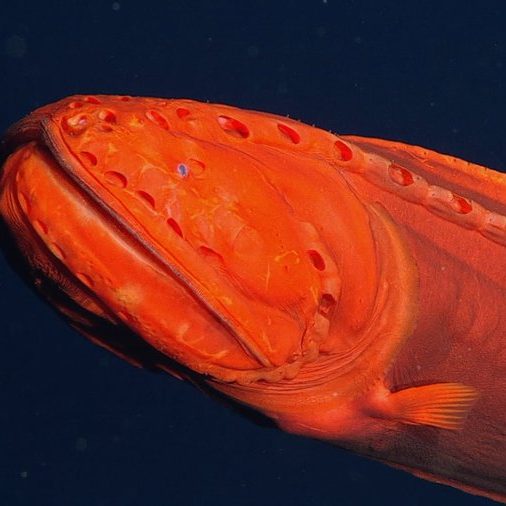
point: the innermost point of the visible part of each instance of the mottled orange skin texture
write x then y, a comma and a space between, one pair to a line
351, 289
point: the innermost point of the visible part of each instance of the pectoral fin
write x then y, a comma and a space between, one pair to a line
442, 405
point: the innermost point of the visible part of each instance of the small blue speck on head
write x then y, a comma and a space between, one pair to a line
182, 170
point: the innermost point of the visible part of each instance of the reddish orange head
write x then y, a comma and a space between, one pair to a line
210, 232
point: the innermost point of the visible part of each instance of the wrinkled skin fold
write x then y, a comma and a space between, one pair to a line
350, 289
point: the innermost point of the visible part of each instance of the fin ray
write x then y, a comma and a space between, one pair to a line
441, 405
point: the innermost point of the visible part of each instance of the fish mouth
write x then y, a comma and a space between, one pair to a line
183, 299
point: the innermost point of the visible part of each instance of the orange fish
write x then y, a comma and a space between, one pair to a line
351, 289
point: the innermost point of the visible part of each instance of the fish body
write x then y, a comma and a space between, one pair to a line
351, 289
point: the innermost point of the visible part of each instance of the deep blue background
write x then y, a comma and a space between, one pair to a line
80, 427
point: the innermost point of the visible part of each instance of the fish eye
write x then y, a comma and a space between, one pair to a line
183, 170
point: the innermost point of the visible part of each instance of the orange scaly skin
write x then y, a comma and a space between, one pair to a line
351, 289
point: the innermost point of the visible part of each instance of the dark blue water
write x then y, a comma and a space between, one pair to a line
79, 427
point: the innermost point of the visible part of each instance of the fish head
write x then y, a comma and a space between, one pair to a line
187, 225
